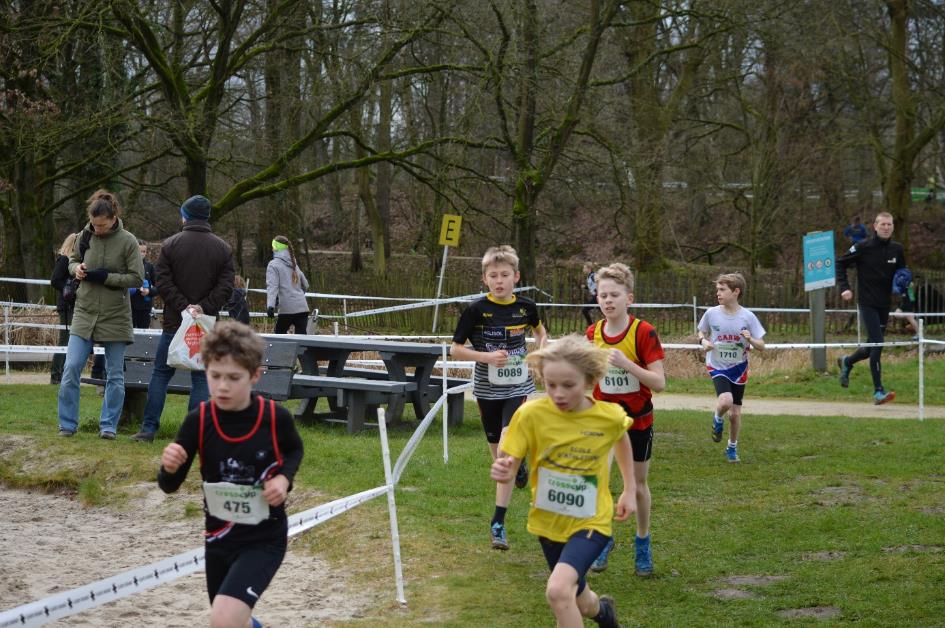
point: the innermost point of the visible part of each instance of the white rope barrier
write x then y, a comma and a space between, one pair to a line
128, 583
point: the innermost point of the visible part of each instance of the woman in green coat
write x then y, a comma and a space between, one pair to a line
107, 265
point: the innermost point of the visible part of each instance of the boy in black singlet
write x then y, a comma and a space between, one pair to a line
249, 452
496, 326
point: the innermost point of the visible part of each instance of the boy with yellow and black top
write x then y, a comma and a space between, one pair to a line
496, 326
634, 372
569, 437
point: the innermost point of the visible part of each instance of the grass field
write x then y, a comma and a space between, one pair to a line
830, 518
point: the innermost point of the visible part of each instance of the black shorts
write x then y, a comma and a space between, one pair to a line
642, 443
496, 414
242, 571
582, 548
724, 385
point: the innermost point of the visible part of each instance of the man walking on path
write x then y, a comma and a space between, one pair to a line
876, 261
194, 271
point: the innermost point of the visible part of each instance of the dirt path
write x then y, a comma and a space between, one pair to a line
52, 543
801, 407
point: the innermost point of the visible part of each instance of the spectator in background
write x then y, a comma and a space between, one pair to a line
142, 298
855, 231
237, 307
60, 276
194, 271
876, 261
902, 285
111, 265
590, 296
285, 289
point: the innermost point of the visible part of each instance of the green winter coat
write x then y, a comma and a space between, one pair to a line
103, 310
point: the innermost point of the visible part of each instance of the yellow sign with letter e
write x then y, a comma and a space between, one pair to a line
449, 230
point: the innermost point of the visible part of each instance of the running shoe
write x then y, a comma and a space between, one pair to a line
644, 557
607, 615
499, 540
844, 372
881, 396
731, 452
717, 425
600, 563
521, 478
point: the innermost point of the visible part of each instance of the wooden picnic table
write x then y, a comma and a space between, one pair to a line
397, 357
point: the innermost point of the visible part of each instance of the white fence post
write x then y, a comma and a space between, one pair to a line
391, 507
6, 337
921, 369
446, 403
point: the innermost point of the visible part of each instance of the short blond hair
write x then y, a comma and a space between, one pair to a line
618, 273
68, 245
575, 350
502, 254
883, 215
732, 280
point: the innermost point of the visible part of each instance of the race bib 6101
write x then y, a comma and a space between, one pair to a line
617, 381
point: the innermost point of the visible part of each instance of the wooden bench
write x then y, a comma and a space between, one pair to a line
455, 408
279, 360
351, 398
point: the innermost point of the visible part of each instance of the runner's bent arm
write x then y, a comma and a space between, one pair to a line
186, 439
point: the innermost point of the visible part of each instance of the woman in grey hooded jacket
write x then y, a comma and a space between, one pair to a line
285, 289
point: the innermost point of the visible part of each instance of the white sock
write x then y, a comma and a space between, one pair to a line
731, 444
718, 418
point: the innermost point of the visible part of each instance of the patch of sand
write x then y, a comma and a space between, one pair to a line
52, 543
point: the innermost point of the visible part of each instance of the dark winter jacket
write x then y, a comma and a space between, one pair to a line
876, 261
60, 275
139, 302
194, 267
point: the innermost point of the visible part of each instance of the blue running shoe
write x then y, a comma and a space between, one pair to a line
717, 425
644, 557
731, 452
499, 540
881, 396
844, 372
600, 563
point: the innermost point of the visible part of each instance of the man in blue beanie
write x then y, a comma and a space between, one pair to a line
194, 271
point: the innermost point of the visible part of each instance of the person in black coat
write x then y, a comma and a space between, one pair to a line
60, 276
142, 298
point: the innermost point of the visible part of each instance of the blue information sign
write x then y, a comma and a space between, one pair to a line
819, 271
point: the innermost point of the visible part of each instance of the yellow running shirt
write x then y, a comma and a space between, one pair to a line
568, 453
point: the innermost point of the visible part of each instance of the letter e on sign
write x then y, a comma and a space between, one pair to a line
449, 230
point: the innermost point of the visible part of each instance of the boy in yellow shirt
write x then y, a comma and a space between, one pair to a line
568, 437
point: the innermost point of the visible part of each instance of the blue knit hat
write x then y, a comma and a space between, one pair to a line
196, 208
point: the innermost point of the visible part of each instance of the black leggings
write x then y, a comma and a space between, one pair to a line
874, 319
298, 321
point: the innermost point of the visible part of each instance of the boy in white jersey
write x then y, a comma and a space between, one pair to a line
727, 332
569, 436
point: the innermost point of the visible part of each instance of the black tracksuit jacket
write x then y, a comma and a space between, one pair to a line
876, 261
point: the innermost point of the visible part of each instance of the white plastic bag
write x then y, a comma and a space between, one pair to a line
184, 352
